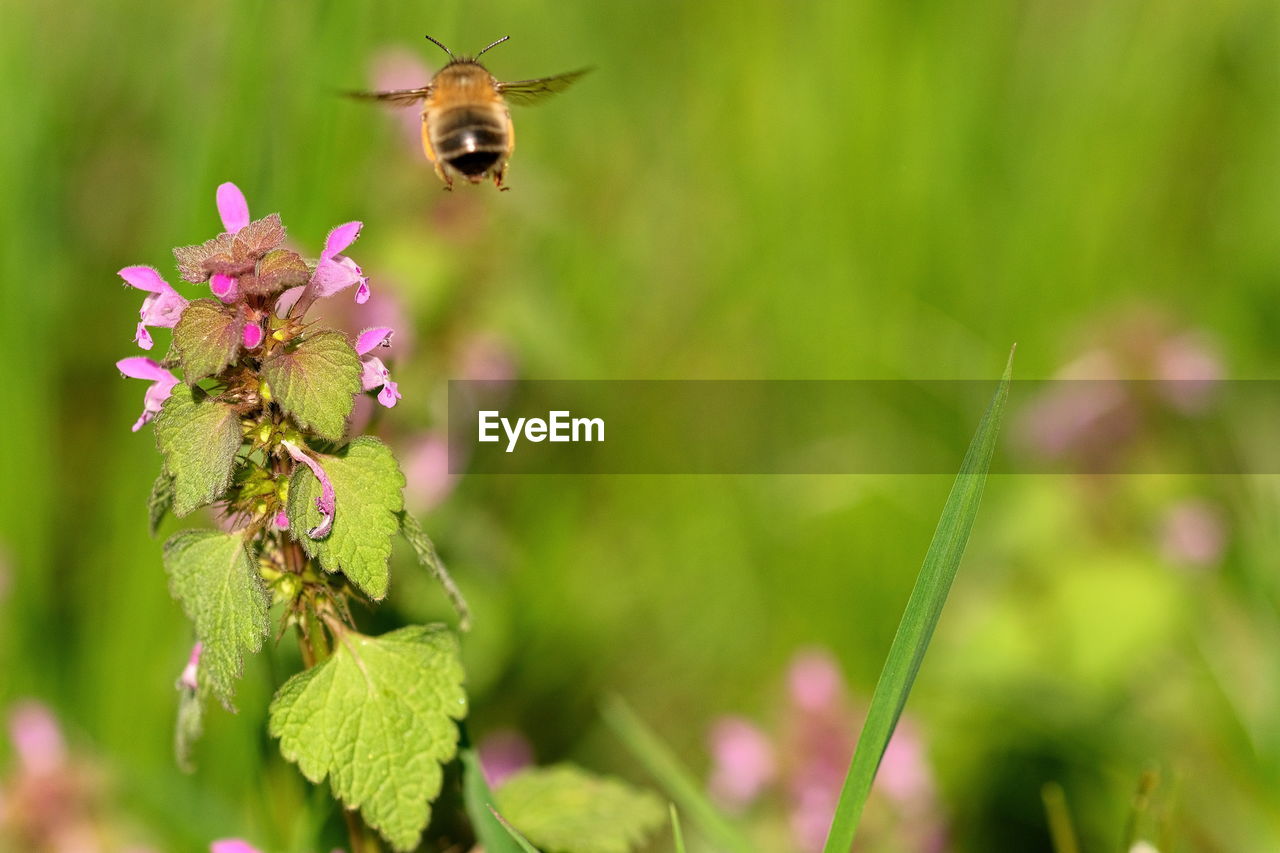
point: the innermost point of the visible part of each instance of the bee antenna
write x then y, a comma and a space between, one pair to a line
495, 44
442, 47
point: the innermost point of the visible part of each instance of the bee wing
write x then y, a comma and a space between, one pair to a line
532, 91
395, 97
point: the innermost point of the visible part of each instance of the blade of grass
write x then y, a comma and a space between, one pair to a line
1061, 830
918, 621
677, 837
659, 760
513, 834
493, 836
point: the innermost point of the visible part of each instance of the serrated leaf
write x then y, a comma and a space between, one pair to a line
160, 501
425, 550
258, 237
367, 487
316, 382
214, 578
188, 729
278, 270
199, 438
377, 719
565, 809
197, 263
207, 339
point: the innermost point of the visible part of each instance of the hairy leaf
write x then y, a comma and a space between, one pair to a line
565, 809
278, 270
206, 339
197, 263
258, 237
377, 718
316, 382
425, 550
198, 438
160, 501
367, 486
214, 578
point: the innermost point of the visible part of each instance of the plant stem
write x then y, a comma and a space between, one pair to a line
359, 839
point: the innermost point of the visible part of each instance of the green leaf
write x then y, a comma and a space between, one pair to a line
377, 718
565, 809
206, 339
316, 382
277, 271
160, 501
923, 610
487, 824
189, 728
425, 550
214, 578
367, 486
664, 766
198, 438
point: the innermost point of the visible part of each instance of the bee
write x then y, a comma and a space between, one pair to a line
466, 124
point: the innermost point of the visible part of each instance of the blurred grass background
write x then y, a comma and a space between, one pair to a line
745, 190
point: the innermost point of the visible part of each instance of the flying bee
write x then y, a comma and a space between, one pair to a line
466, 124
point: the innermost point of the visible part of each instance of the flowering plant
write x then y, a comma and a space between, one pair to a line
256, 427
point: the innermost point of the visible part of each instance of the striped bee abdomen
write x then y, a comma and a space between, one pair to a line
470, 140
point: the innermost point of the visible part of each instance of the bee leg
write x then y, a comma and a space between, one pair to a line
500, 176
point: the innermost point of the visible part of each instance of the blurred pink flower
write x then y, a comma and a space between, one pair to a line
37, 739
486, 357
818, 745
742, 762
400, 69
1190, 369
502, 754
814, 682
1194, 534
232, 845
426, 469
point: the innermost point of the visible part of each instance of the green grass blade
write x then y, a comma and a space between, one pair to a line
489, 827
513, 834
677, 836
659, 760
918, 621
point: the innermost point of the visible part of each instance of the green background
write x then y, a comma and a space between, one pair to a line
740, 190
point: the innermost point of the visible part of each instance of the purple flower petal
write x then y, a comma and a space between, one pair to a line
252, 335
281, 521
232, 207
145, 278
362, 292
223, 286
742, 762
326, 503
340, 238
162, 383
389, 394
375, 337
333, 275
142, 337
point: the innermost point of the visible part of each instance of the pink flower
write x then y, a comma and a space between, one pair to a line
502, 754
232, 207
232, 845
375, 373
161, 308
743, 762
36, 738
426, 467
336, 272
252, 335
326, 503
188, 677
1194, 535
162, 383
